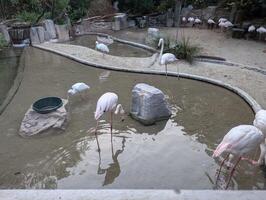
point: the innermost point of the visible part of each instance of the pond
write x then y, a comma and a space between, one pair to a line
172, 154
116, 49
9, 60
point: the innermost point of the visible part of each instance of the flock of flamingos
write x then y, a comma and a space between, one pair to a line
236, 144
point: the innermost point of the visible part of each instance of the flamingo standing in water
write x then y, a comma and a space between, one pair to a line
260, 123
107, 103
239, 141
166, 58
101, 47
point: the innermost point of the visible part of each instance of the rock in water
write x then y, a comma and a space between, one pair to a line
50, 28
34, 37
4, 31
149, 104
62, 32
35, 123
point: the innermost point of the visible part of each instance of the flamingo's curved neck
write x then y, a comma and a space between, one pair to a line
162, 47
119, 109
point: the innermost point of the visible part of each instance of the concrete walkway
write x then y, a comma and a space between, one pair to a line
248, 79
130, 195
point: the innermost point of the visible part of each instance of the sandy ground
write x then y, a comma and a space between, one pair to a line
213, 43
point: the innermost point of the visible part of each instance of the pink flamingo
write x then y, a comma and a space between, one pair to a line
107, 103
239, 141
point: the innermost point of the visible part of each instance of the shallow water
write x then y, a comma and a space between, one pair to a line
116, 49
173, 154
9, 60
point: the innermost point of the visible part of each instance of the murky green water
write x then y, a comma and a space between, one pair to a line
173, 154
9, 59
116, 49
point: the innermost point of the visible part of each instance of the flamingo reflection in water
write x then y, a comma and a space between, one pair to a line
113, 170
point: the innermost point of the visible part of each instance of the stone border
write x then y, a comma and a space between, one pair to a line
130, 194
251, 102
146, 47
16, 83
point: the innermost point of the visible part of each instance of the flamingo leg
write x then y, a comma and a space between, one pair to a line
96, 136
178, 71
221, 167
111, 126
232, 172
166, 70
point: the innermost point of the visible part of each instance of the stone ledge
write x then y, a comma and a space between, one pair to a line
130, 195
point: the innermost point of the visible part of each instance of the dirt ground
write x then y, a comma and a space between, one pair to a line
213, 43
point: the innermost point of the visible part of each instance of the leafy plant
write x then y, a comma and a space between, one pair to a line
165, 5
3, 42
137, 6
29, 17
184, 50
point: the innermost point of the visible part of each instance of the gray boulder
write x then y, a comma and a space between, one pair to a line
50, 28
34, 37
62, 32
4, 31
149, 104
152, 36
40, 31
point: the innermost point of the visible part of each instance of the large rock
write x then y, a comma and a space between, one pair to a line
40, 31
62, 32
50, 28
149, 104
4, 31
34, 37
152, 36
35, 123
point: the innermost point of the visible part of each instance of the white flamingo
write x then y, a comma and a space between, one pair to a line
78, 87
101, 47
211, 21
107, 103
251, 28
222, 20
260, 123
261, 30
239, 141
228, 24
184, 19
198, 21
166, 58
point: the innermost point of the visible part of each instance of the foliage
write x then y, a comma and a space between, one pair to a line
184, 50
78, 9
248, 8
26, 16
3, 42
136, 6
165, 5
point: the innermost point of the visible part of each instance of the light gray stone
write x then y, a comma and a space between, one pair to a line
40, 31
116, 24
62, 32
50, 28
34, 37
34, 123
149, 104
4, 31
152, 36
46, 36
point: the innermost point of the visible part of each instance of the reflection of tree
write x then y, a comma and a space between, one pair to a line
113, 170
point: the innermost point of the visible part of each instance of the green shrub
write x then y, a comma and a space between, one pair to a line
184, 50
165, 5
3, 42
29, 17
137, 6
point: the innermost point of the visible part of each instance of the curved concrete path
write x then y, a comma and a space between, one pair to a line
251, 81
